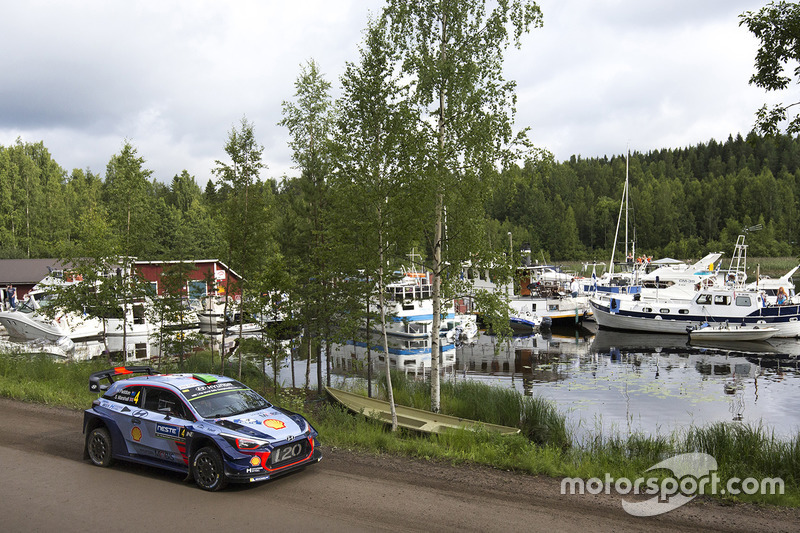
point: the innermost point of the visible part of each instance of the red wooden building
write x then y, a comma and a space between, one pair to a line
219, 273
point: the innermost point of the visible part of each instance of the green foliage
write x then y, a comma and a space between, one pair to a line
776, 26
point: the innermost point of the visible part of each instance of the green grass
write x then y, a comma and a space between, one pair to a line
544, 447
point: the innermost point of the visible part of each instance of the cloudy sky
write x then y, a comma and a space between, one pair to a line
174, 77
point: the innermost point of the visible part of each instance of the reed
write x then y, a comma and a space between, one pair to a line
538, 418
745, 450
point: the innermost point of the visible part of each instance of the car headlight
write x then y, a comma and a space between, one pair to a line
244, 443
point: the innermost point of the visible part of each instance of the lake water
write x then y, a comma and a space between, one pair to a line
615, 382
623, 383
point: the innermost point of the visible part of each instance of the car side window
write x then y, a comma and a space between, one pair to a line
166, 402
128, 395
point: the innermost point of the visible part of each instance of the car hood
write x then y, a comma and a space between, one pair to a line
270, 423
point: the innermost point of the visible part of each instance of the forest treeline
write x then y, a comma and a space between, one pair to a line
683, 203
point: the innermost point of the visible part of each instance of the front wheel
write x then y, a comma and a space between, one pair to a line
98, 446
208, 469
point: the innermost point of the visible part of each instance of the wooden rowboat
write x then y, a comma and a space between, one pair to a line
410, 418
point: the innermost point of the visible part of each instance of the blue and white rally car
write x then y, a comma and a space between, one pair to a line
213, 428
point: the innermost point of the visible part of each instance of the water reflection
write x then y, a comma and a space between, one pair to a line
411, 355
617, 382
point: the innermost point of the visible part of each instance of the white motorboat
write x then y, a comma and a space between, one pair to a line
28, 323
539, 302
409, 303
731, 332
732, 302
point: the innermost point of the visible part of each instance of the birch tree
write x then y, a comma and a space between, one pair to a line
378, 168
308, 117
245, 211
451, 52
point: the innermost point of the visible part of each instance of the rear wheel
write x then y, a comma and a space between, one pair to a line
98, 446
208, 469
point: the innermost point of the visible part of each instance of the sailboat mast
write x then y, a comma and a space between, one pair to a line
627, 156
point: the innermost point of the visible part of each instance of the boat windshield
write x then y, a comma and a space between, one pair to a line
25, 307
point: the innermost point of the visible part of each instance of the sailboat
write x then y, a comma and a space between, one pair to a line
625, 281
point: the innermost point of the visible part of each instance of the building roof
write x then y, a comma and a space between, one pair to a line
26, 271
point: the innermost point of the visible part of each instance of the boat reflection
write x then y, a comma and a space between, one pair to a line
542, 357
409, 355
611, 341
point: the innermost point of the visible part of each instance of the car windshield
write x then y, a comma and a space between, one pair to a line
229, 403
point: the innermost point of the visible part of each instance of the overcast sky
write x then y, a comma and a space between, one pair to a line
174, 77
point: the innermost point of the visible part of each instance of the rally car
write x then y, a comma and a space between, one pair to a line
212, 428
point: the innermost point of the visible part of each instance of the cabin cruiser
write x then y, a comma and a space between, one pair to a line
715, 303
409, 303
28, 323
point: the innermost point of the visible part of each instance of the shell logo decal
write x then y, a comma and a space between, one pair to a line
136, 434
274, 424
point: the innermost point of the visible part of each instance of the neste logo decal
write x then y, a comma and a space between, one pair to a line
167, 431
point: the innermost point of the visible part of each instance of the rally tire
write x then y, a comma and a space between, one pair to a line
98, 447
208, 469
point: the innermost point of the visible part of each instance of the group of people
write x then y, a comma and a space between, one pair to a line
642, 259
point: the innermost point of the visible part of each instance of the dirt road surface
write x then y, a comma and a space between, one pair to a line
46, 486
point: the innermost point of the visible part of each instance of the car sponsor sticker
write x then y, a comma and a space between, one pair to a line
193, 393
136, 433
245, 421
127, 395
168, 431
274, 424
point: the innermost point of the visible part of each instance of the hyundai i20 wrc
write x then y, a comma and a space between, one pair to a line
212, 428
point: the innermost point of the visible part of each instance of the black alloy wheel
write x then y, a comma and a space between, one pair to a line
208, 469
98, 447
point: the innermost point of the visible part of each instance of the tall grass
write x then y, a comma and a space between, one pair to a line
42, 379
538, 418
747, 450
38, 378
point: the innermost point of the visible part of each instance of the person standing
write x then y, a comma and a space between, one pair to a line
782, 296
12, 296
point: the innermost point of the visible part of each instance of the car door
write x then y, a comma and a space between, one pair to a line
125, 405
164, 427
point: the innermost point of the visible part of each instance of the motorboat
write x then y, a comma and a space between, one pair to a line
462, 327
537, 302
771, 286
731, 332
28, 323
409, 305
716, 303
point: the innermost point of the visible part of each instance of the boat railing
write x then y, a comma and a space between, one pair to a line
401, 293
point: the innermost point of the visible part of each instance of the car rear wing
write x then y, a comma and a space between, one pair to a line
111, 373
